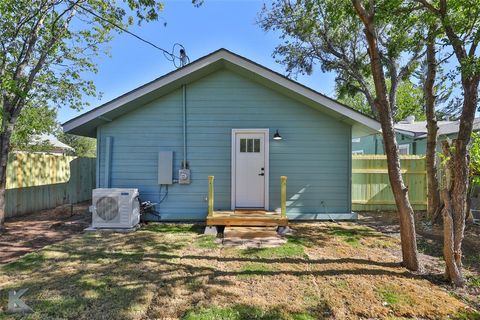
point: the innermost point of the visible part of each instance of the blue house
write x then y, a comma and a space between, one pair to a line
411, 137
228, 117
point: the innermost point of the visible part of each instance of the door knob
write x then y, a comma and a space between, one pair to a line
261, 174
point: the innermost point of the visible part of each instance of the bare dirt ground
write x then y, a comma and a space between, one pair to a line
430, 246
34, 231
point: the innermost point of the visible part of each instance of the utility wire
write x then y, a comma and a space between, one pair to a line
170, 56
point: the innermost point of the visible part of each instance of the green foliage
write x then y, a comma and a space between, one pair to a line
83, 146
475, 158
409, 100
33, 120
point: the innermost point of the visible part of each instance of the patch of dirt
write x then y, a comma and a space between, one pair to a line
34, 231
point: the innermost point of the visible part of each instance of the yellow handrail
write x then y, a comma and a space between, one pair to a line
210, 195
283, 198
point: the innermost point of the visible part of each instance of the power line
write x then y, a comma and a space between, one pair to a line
170, 56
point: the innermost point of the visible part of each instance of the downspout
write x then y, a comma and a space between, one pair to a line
184, 93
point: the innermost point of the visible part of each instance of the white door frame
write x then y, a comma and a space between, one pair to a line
266, 133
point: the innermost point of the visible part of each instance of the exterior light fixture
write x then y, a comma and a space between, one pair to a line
277, 136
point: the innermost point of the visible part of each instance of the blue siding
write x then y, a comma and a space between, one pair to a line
367, 144
314, 154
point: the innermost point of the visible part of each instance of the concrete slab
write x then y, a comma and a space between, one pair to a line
210, 230
252, 237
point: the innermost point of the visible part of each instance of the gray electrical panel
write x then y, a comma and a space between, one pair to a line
165, 167
184, 176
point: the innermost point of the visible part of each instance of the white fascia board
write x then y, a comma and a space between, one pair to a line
405, 132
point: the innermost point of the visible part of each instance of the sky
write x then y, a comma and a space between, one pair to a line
214, 25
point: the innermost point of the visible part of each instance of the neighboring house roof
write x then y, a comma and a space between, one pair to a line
418, 129
52, 141
87, 123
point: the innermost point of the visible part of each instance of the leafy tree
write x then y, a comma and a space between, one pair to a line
327, 32
372, 48
83, 146
33, 120
459, 27
409, 101
46, 47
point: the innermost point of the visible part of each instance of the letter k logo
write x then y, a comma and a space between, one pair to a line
16, 305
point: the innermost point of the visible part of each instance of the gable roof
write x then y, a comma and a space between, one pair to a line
86, 123
418, 129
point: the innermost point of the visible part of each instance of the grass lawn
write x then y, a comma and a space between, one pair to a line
327, 270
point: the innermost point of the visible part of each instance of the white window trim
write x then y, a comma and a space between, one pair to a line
266, 133
404, 146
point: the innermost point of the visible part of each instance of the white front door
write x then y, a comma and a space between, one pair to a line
250, 168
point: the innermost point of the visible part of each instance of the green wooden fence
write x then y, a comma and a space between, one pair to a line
40, 181
371, 189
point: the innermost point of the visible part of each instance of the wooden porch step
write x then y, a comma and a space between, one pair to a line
242, 218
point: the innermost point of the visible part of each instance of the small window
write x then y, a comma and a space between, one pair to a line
249, 145
256, 145
356, 140
404, 149
357, 152
243, 145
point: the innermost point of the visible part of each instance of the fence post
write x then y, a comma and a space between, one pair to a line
210, 195
283, 198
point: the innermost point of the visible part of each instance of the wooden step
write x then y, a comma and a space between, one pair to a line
236, 218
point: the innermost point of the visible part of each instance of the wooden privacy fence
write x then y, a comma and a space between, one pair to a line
40, 181
371, 186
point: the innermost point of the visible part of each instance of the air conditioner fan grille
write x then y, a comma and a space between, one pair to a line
107, 208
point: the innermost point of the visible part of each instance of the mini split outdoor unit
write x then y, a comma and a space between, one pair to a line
115, 208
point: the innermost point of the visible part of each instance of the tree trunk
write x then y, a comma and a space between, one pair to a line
453, 272
4, 152
460, 167
434, 203
400, 192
